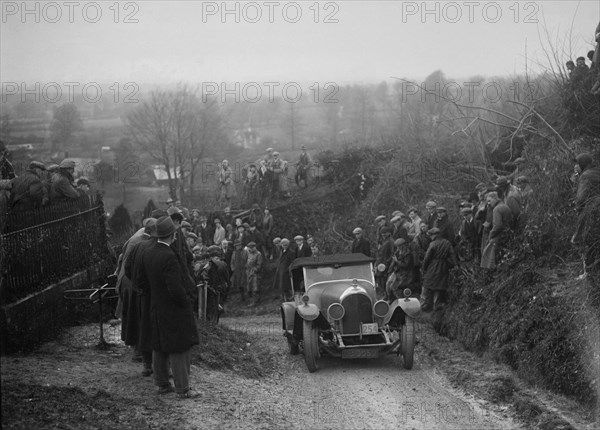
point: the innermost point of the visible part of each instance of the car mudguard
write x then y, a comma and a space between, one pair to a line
408, 306
308, 311
288, 311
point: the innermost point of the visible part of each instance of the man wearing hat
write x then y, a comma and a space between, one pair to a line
135, 321
360, 245
205, 231
302, 250
61, 187
183, 252
282, 281
587, 201
254, 265
381, 222
444, 225
499, 233
238, 268
509, 195
438, 261
219, 233
28, 191
430, 214
400, 230
173, 326
218, 279
302, 166
402, 270
415, 223
469, 236
276, 253
384, 259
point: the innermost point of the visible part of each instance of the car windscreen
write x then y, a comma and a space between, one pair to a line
313, 275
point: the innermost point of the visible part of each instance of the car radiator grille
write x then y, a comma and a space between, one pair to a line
358, 310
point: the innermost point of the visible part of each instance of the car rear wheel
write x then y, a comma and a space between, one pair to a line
408, 343
311, 345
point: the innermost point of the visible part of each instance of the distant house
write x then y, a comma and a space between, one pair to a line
160, 174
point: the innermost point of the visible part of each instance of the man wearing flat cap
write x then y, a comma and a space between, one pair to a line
511, 196
174, 329
499, 233
444, 225
400, 223
430, 214
302, 250
402, 270
469, 237
438, 261
61, 187
381, 222
205, 231
28, 190
360, 245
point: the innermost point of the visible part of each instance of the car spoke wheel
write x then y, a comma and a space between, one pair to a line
408, 343
311, 345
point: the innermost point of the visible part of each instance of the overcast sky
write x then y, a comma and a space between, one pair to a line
363, 41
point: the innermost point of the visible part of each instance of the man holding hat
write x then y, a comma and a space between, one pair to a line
28, 190
360, 245
438, 261
61, 187
174, 329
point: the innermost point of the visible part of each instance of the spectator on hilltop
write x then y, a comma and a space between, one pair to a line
28, 190
62, 182
499, 234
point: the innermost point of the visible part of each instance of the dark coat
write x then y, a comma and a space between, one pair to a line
304, 252
282, 280
439, 259
446, 229
400, 233
28, 191
61, 187
361, 246
404, 267
138, 332
206, 233
421, 245
384, 255
172, 318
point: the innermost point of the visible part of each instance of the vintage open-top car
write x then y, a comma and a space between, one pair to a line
340, 315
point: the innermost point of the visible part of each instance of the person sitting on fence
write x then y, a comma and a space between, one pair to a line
62, 182
28, 190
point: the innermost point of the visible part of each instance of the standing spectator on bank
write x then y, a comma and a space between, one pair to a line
314, 249
430, 215
182, 251
256, 215
238, 268
415, 223
226, 183
381, 224
525, 192
468, 236
438, 261
509, 195
403, 268
28, 190
276, 249
304, 163
570, 65
360, 245
174, 329
499, 233
280, 178
282, 282
226, 217
302, 249
588, 190
384, 259
219, 234
205, 231
62, 182
266, 228
254, 265
444, 225
230, 233
400, 231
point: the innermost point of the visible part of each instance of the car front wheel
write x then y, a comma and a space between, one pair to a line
311, 345
408, 343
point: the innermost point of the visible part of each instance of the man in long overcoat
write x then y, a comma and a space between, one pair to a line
439, 259
174, 329
385, 253
283, 282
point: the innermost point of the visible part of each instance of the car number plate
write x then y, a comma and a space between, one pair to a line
370, 328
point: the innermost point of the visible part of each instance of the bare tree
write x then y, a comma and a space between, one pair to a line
66, 121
